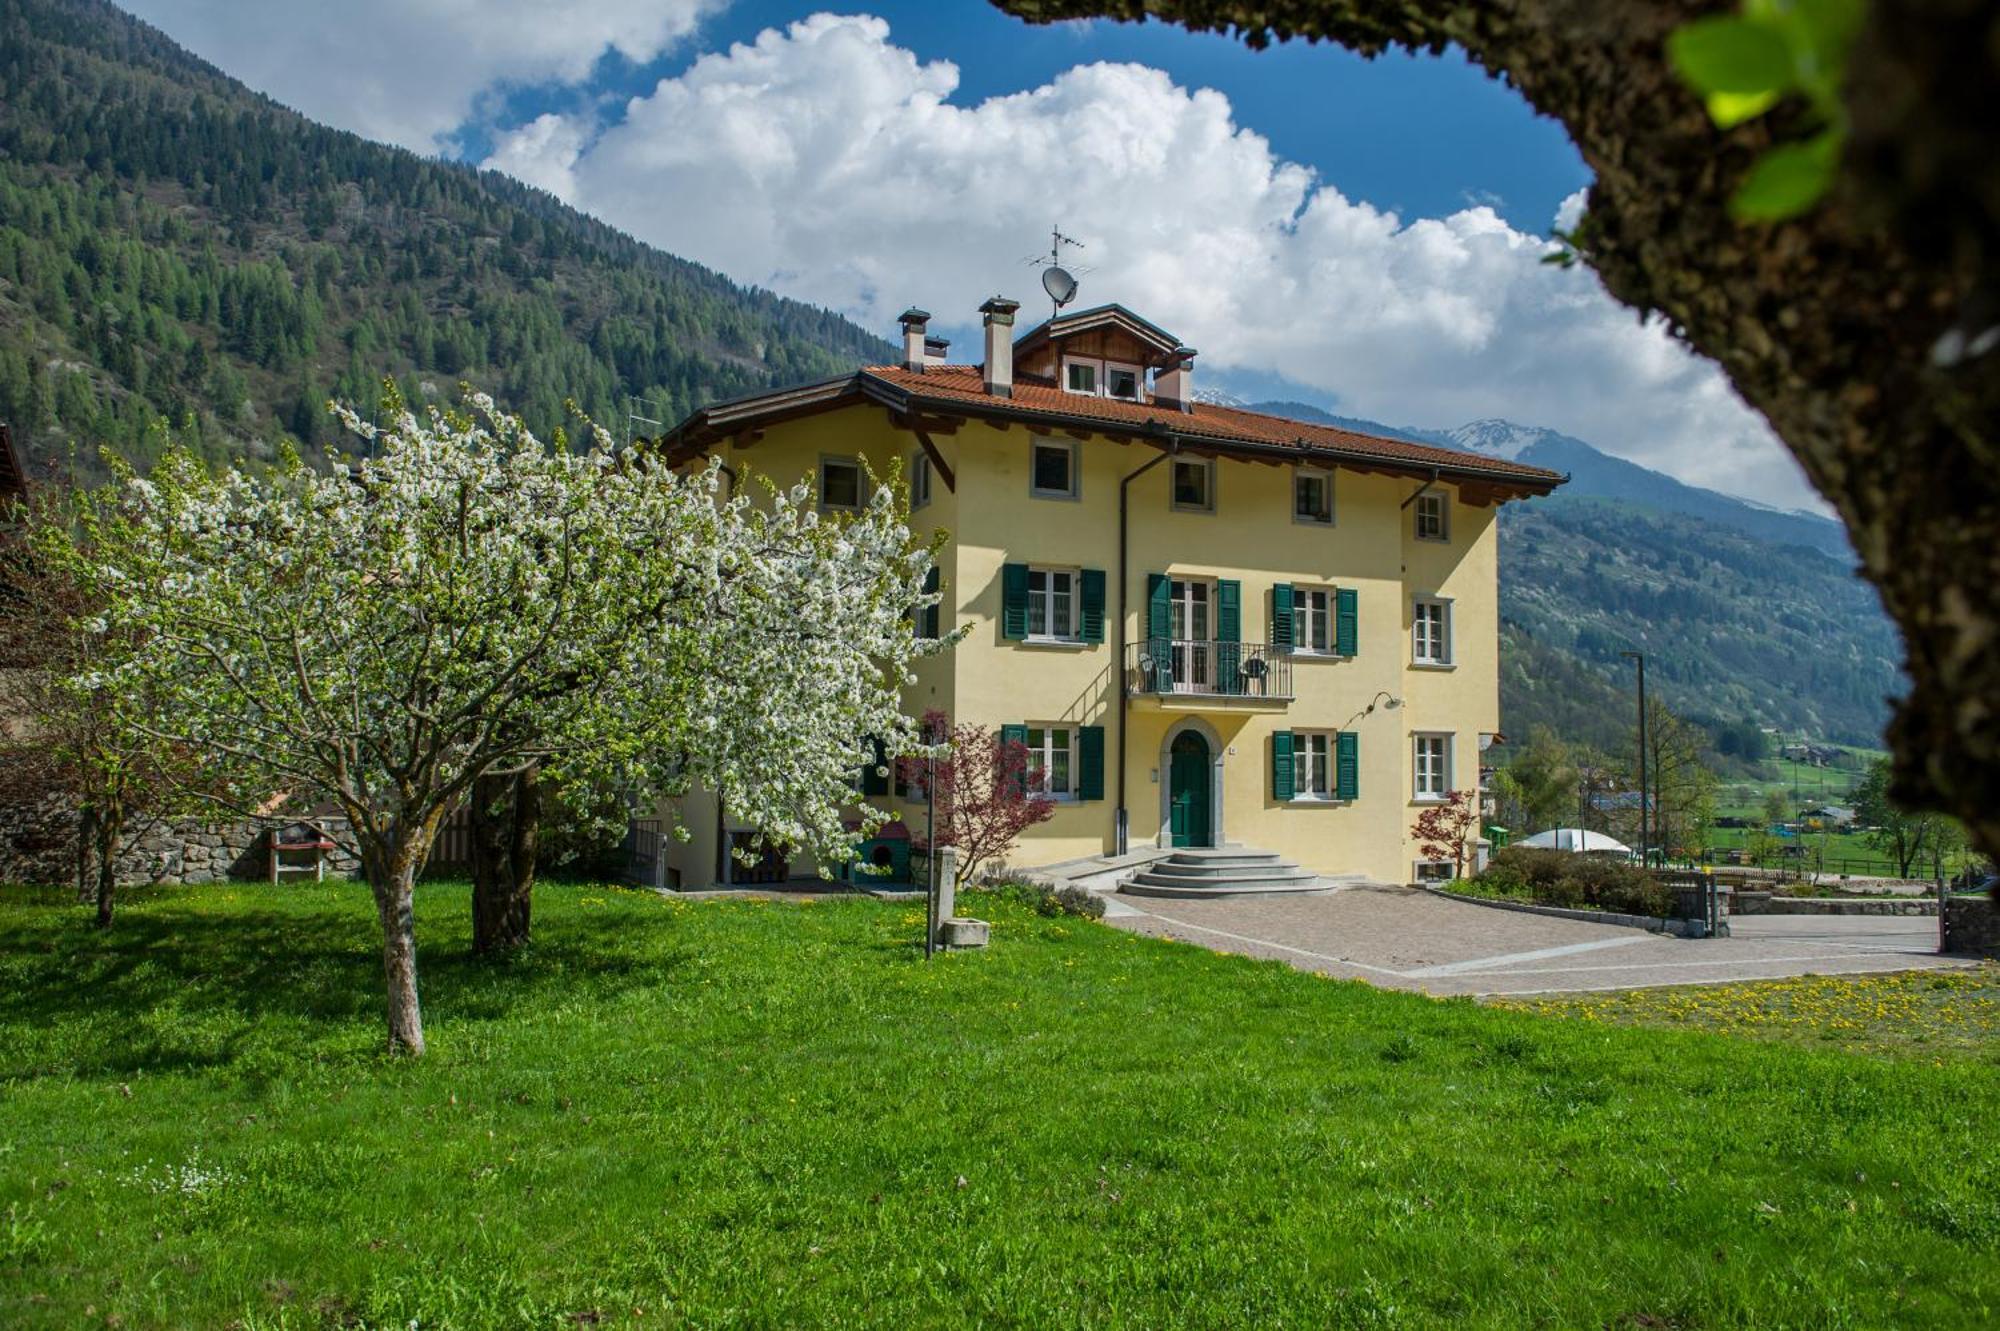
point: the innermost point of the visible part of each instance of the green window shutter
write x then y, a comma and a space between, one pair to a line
1346, 622
1093, 605
1281, 765
1090, 762
1159, 606
872, 780
932, 582
1347, 766
1281, 615
1228, 629
1228, 610
1014, 601
1015, 735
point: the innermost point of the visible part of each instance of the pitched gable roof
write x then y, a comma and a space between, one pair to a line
950, 392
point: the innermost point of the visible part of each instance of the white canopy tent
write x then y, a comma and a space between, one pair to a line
1576, 839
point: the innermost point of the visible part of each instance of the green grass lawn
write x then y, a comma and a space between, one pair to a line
744, 1114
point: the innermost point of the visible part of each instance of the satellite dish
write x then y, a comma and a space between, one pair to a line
1059, 284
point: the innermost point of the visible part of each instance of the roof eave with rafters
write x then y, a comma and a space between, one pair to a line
746, 419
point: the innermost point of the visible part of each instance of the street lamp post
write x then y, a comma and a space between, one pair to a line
1644, 803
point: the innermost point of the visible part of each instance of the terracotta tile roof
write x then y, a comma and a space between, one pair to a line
947, 385
959, 391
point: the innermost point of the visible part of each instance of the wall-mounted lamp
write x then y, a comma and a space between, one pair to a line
1387, 701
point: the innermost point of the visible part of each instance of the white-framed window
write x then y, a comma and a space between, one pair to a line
1312, 496
1053, 604
1312, 620
1194, 485
1102, 378
1433, 516
1052, 468
1430, 631
1312, 765
843, 485
1052, 761
920, 479
1432, 761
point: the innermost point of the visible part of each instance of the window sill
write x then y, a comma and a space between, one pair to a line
1059, 644
1062, 496
1301, 654
1311, 522
1429, 799
1318, 801
1207, 512
1433, 665
1435, 540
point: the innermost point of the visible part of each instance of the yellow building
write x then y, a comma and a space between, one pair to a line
1211, 627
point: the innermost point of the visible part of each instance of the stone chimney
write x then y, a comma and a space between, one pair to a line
999, 316
937, 350
1173, 382
914, 322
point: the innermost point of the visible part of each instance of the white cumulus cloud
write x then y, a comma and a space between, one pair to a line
827, 162
412, 72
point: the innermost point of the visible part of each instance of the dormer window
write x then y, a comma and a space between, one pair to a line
1098, 378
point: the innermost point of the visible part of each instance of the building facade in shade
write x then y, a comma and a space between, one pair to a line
1208, 626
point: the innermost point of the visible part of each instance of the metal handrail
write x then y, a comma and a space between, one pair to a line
1208, 667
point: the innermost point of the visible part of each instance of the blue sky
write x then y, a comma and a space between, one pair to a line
1366, 236
1416, 134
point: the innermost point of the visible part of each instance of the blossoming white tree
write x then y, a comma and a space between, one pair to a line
471, 602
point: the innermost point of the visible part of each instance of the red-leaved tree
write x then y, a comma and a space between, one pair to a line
1446, 830
980, 784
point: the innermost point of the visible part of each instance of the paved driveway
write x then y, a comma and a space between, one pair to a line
1404, 939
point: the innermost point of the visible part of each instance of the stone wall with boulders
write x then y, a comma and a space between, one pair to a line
38, 845
1971, 926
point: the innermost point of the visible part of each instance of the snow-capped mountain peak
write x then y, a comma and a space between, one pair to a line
1497, 438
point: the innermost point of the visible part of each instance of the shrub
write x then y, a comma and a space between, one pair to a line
1559, 878
1504, 880
1050, 901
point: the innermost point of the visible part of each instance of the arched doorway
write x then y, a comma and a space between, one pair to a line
1189, 783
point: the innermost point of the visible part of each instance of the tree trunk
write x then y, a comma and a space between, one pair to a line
399, 964
392, 875
506, 828
86, 850
1862, 330
110, 828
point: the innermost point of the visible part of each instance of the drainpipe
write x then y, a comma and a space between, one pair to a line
1122, 841
1421, 488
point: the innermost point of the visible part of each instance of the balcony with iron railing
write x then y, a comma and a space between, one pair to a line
1195, 672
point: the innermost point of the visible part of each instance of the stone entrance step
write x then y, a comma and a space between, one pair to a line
1229, 871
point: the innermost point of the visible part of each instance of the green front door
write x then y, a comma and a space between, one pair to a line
1188, 790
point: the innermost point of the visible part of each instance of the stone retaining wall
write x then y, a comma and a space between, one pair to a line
1971, 927
38, 845
1764, 903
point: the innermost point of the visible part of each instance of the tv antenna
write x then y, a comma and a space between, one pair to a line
1057, 280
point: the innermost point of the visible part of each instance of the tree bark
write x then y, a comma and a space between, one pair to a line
110, 828
1856, 329
506, 829
86, 850
399, 965
391, 866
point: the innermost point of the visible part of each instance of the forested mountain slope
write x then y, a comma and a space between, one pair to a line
173, 244
1745, 613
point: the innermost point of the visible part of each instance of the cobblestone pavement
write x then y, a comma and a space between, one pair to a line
1404, 939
